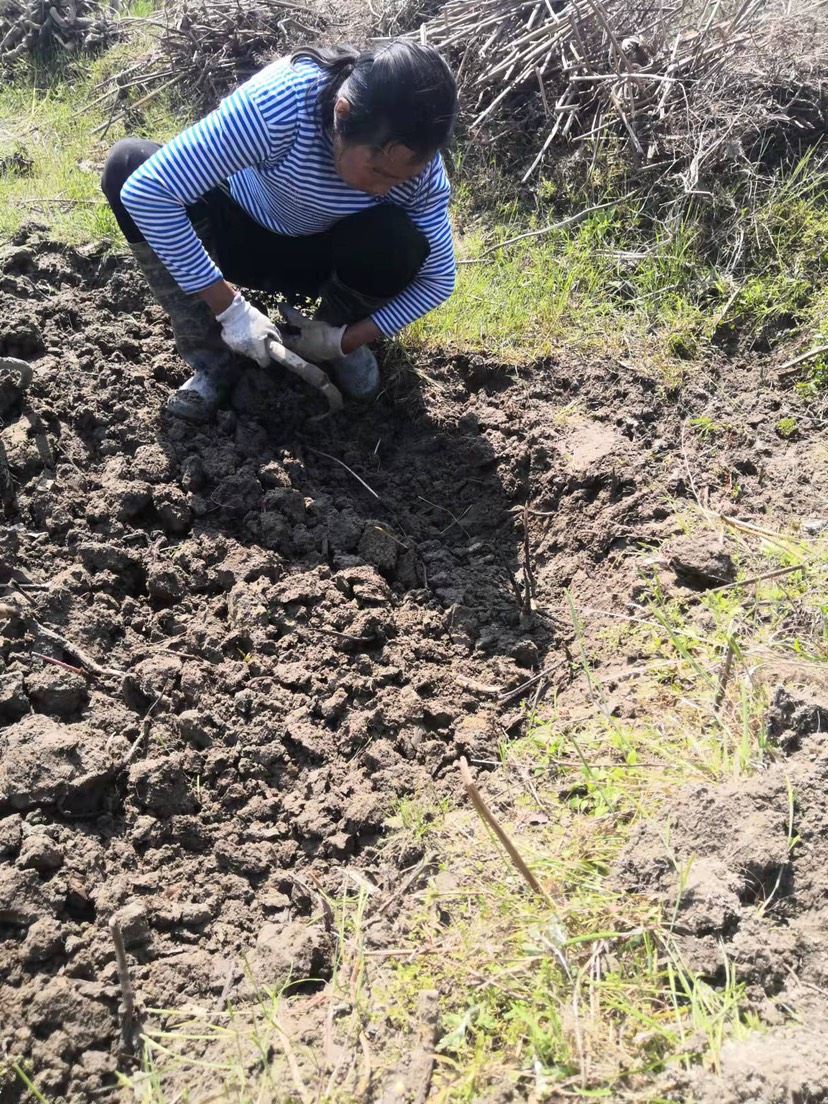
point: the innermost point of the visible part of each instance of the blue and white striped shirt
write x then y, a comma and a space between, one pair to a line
266, 141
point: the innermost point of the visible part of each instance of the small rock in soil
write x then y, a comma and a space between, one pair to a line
42, 761
44, 939
40, 853
53, 690
700, 563
21, 899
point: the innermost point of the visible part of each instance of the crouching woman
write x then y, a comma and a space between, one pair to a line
320, 177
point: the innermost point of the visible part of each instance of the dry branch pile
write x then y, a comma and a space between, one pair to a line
36, 28
205, 48
692, 82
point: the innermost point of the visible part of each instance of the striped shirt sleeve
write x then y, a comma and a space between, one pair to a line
435, 281
254, 126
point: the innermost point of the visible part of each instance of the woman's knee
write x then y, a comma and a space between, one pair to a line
380, 251
124, 158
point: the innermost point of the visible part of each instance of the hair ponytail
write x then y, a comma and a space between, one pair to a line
400, 93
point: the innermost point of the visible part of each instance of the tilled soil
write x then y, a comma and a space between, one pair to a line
229, 651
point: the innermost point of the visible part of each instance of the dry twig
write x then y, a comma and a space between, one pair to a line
350, 471
130, 1029
488, 818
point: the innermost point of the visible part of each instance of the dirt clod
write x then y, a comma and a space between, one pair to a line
700, 563
40, 853
15, 377
162, 788
43, 762
295, 952
21, 901
57, 691
132, 919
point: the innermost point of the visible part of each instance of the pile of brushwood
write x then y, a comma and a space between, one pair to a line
203, 49
42, 29
688, 90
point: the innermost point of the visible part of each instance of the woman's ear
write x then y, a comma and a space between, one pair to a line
342, 109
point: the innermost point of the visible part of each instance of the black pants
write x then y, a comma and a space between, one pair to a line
375, 253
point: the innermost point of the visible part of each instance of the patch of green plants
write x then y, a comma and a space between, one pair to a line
704, 427
49, 119
619, 282
787, 428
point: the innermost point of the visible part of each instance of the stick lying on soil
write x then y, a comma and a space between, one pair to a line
488, 818
350, 471
785, 368
85, 660
129, 1027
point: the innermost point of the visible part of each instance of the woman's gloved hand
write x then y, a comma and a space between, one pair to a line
315, 341
247, 331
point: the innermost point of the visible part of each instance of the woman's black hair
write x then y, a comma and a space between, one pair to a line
400, 93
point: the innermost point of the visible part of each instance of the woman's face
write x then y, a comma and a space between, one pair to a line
372, 170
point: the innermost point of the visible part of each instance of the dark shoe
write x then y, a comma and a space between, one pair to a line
357, 375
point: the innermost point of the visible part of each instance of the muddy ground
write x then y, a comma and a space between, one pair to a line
259, 652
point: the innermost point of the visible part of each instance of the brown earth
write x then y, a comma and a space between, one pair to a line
261, 654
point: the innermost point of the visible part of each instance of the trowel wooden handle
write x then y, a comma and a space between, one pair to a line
310, 373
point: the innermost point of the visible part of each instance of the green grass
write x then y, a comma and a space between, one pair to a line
622, 283
46, 116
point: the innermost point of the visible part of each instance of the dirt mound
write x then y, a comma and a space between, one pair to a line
744, 869
228, 651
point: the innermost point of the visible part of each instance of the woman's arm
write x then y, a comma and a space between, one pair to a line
219, 296
435, 281
255, 124
360, 333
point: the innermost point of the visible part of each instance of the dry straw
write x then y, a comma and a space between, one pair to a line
30, 27
205, 48
699, 81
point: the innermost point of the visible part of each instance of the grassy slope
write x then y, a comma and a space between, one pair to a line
617, 281
522, 997
52, 121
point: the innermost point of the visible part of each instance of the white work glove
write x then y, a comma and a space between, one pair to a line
247, 331
316, 340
